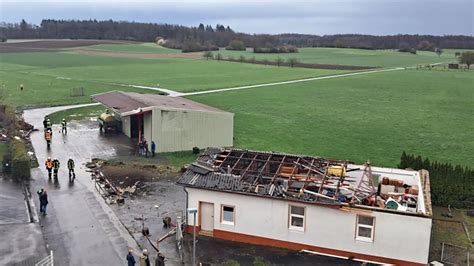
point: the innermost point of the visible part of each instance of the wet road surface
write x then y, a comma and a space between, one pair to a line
83, 230
79, 227
21, 241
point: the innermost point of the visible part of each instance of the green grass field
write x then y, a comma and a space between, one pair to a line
345, 56
83, 113
49, 77
137, 48
376, 116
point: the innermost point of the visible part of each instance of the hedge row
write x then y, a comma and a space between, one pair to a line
20, 160
16, 161
450, 184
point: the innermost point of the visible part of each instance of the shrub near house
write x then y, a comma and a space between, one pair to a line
20, 161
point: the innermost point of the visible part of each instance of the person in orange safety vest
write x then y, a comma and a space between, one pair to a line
49, 166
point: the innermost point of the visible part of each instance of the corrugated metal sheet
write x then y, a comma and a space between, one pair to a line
184, 129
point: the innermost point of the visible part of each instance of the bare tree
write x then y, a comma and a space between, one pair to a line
207, 55
292, 61
467, 58
279, 61
439, 51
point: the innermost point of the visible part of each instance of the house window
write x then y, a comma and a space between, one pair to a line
296, 218
228, 214
365, 228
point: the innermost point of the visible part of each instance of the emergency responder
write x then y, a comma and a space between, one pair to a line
49, 166
55, 167
63, 126
48, 135
70, 167
45, 122
48, 124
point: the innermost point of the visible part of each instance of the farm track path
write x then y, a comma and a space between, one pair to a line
173, 93
285, 82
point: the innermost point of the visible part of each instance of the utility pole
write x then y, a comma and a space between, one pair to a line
194, 211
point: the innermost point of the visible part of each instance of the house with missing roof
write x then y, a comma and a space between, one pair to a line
334, 208
173, 123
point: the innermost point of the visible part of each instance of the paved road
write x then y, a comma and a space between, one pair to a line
21, 241
80, 228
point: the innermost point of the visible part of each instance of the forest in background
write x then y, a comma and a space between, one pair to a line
207, 37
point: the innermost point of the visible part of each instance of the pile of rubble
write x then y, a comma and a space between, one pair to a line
117, 181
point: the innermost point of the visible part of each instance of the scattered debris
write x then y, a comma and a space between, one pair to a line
305, 178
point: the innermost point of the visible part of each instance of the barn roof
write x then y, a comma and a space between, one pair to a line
126, 103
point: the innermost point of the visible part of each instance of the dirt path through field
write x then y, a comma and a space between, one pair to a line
173, 93
120, 54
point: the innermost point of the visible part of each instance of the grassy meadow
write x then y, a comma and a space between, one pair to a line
49, 77
358, 57
82, 113
376, 116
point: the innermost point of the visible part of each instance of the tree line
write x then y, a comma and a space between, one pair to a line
207, 36
450, 184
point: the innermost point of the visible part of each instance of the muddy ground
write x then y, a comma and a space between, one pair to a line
51, 45
157, 196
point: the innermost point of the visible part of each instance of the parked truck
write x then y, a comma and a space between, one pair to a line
108, 123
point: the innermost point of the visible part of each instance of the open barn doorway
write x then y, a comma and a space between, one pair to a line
136, 126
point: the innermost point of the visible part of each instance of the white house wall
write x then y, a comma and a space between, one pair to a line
397, 236
178, 130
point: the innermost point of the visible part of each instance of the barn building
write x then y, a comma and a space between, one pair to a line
335, 208
173, 123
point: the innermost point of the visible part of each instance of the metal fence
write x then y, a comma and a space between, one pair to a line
454, 255
77, 91
47, 261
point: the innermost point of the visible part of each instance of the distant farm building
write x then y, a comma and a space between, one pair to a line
360, 212
453, 66
173, 123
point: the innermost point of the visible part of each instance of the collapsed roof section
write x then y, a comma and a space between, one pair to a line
307, 179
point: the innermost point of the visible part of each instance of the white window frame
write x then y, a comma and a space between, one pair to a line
371, 227
291, 215
222, 215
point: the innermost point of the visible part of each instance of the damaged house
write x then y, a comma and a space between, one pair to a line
329, 207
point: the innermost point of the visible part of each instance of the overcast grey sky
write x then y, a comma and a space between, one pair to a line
378, 17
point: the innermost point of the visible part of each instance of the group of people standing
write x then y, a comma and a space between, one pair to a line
144, 258
52, 165
143, 148
48, 131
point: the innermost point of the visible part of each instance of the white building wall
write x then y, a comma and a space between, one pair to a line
126, 126
148, 127
178, 130
397, 236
